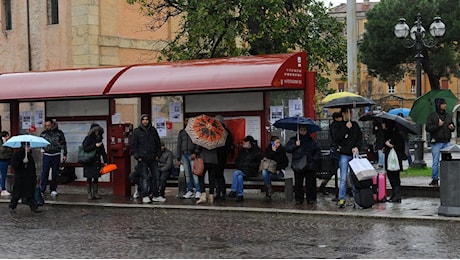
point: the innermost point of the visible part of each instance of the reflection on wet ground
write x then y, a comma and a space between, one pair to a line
107, 232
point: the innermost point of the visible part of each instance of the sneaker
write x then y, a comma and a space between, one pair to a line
136, 194
197, 195
158, 199
5, 193
188, 195
146, 199
54, 193
434, 183
341, 203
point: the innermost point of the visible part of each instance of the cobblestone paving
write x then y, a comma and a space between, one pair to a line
98, 232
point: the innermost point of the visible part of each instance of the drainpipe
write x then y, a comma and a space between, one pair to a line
29, 50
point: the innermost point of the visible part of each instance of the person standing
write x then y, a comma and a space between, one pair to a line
394, 141
276, 152
378, 130
146, 149
222, 154
25, 179
349, 137
210, 165
6, 153
185, 156
92, 172
247, 164
304, 145
52, 155
334, 149
440, 126
165, 163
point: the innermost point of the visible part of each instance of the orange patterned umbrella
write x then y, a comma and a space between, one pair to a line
206, 131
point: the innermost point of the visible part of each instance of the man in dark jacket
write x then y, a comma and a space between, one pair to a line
146, 150
247, 164
52, 155
350, 137
440, 126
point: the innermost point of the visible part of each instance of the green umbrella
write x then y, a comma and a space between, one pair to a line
424, 105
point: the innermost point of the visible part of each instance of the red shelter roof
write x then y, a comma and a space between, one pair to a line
56, 84
278, 71
226, 74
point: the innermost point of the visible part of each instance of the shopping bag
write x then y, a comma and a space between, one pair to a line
198, 166
362, 168
392, 161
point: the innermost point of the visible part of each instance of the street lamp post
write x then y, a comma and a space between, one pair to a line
417, 39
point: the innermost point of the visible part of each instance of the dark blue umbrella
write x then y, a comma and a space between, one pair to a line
292, 123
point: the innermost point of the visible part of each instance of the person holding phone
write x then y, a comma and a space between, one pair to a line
274, 151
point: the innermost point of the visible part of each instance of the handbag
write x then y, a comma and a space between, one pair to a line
299, 164
393, 161
84, 157
267, 164
198, 166
362, 168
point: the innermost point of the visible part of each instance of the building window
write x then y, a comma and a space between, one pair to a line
341, 87
53, 12
391, 89
444, 84
6, 15
412, 86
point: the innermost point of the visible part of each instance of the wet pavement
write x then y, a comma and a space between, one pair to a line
71, 226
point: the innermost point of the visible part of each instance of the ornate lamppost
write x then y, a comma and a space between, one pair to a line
417, 39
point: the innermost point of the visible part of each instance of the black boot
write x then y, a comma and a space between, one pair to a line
95, 191
322, 188
396, 195
269, 192
89, 189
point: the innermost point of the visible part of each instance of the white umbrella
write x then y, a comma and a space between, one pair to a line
32, 140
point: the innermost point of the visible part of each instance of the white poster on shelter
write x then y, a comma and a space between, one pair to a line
26, 119
276, 113
39, 118
175, 112
160, 125
295, 107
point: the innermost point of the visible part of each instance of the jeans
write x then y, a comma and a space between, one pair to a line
436, 152
381, 157
164, 176
268, 177
49, 162
146, 182
343, 165
190, 178
4, 172
237, 182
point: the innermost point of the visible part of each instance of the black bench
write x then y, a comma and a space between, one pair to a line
258, 183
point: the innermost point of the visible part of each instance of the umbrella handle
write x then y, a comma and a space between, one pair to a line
25, 160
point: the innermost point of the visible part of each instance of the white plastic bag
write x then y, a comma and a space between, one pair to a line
362, 168
393, 162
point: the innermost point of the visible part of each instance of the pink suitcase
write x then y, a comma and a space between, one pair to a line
379, 187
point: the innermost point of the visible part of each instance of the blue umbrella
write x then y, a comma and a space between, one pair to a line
292, 123
32, 140
397, 111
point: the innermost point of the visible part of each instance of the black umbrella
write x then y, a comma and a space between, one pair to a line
402, 123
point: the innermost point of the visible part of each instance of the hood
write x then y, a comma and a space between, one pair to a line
438, 102
140, 121
95, 128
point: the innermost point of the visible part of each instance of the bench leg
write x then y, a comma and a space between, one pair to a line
288, 189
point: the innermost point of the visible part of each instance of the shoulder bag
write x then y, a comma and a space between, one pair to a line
267, 164
84, 157
299, 164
